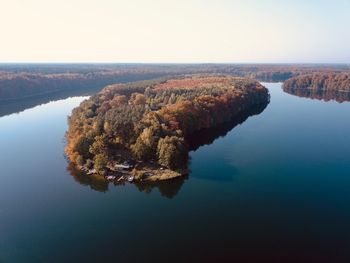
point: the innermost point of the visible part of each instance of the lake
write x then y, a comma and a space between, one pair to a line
275, 188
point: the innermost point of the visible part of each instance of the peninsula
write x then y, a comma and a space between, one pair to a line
139, 131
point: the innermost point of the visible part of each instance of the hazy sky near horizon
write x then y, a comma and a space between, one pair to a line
271, 31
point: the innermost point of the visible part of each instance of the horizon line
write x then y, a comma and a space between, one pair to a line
171, 63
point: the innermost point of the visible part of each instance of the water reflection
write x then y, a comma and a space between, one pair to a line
77, 89
208, 136
219, 170
326, 95
7, 108
169, 188
97, 183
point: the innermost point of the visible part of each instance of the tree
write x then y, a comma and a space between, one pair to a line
118, 100
81, 146
146, 144
80, 160
140, 150
100, 163
99, 146
138, 99
172, 152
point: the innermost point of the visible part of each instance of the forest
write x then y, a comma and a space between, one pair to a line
140, 131
319, 81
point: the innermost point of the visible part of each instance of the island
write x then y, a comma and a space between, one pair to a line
139, 131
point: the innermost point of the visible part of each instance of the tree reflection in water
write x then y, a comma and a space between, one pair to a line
98, 183
208, 136
325, 95
169, 188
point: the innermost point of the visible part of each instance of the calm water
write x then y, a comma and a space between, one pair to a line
274, 189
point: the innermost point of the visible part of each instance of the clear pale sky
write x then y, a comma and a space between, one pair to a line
175, 31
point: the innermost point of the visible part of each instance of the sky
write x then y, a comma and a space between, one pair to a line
175, 31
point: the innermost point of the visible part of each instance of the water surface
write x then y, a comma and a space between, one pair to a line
273, 189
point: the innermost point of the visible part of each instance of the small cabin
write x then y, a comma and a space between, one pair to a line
124, 166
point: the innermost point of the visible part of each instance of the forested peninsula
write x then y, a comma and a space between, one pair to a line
139, 131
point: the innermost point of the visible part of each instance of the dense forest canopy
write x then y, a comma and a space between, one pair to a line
23, 81
147, 123
322, 86
320, 81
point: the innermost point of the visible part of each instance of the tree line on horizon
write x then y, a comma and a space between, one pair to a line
25, 81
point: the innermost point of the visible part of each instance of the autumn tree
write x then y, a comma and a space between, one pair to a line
172, 152
100, 145
118, 100
100, 163
146, 144
138, 99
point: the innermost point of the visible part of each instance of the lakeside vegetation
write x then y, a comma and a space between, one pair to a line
320, 81
140, 130
322, 86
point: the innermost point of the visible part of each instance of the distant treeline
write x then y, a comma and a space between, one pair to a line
27, 81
